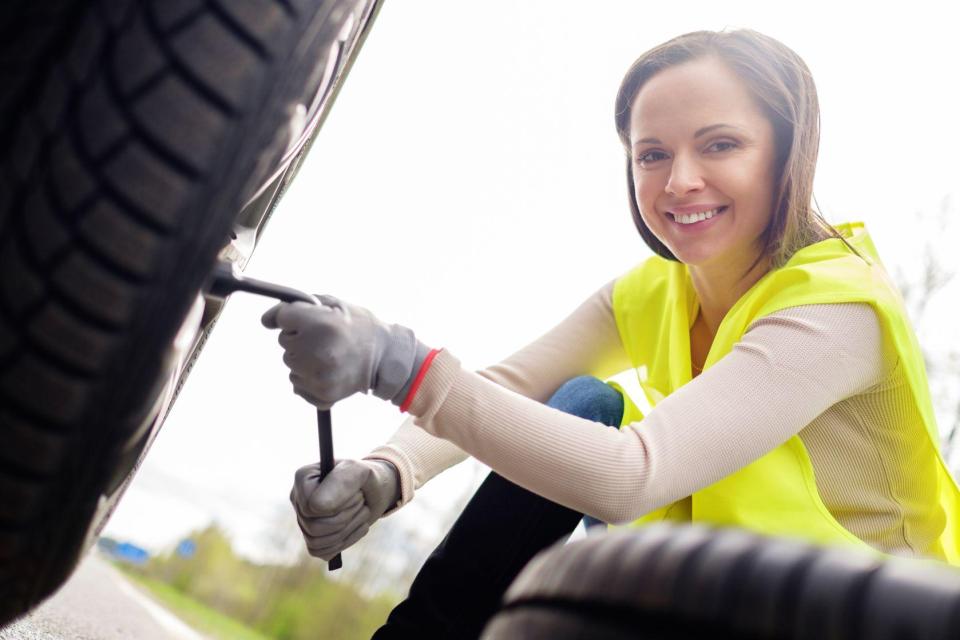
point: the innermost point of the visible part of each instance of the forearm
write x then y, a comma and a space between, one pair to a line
586, 341
531, 444
418, 457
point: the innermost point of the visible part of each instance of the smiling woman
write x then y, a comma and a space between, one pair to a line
789, 391
685, 171
771, 89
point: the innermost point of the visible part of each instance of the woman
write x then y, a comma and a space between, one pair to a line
789, 388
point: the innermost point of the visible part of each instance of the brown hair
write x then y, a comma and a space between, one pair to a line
784, 89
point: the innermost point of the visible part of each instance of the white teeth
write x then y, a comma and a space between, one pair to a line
696, 217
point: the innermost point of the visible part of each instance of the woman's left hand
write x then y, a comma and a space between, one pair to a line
335, 349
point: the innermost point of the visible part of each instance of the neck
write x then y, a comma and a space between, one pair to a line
720, 286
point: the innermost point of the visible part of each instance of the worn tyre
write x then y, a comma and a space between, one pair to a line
132, 133
669, 582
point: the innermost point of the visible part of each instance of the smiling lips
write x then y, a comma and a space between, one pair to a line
687, 216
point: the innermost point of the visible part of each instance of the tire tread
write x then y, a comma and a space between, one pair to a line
123, 119
690, 581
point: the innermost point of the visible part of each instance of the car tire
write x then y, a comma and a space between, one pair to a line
132, 133
671, 582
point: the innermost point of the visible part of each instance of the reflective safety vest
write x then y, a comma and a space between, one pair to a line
655, 306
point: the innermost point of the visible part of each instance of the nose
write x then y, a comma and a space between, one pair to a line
685, 176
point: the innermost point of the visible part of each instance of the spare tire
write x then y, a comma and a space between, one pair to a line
670, 582
132, 134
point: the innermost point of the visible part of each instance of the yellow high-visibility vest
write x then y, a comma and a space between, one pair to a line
655, 306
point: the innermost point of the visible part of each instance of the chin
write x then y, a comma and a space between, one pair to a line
692, 258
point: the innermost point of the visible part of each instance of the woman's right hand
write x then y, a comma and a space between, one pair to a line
337, 512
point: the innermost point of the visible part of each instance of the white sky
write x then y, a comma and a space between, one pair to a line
469, 184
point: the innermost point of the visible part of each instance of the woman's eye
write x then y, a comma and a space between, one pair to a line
650, 156
722, 145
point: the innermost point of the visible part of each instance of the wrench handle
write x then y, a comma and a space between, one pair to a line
325, 436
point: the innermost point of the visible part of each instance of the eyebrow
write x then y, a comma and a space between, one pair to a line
699, 132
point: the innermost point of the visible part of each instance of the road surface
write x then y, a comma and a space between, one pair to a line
98, 603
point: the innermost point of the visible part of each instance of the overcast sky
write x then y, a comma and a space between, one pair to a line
469, 184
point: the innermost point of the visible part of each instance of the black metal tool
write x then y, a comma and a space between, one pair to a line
227, 279
325, 436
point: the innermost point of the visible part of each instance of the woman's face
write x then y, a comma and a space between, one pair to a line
701, 145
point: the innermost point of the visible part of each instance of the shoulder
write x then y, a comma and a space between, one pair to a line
651, 278
833, 317
652, 267
846, 336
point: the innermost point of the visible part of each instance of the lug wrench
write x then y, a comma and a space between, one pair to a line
226, 279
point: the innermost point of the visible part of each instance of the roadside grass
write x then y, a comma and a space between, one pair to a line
200, 617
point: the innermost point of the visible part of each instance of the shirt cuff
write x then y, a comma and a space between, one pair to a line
405, 405
438, 379
396, 457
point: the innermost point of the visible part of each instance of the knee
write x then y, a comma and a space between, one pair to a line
589, 398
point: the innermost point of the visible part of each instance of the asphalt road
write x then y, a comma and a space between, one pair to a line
98, 603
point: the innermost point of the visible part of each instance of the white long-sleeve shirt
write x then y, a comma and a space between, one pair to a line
818, 371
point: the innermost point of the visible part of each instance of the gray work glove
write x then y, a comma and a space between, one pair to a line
337, 512
336, 349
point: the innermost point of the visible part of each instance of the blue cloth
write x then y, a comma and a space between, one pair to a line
590, 398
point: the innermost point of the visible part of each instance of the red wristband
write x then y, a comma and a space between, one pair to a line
418, 379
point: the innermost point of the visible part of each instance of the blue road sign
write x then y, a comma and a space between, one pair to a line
131, 553
186, 548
